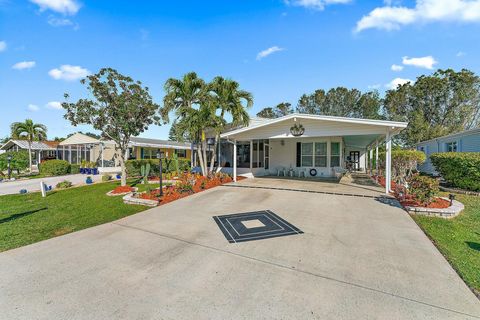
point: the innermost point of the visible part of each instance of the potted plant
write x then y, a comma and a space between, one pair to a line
82, 166
94, 168
89, 180
88, 168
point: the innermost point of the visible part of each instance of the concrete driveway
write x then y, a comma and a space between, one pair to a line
358, 258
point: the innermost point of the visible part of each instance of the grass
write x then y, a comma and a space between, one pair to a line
29, 218
458, 239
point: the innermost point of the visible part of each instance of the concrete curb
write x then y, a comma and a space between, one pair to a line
447, 213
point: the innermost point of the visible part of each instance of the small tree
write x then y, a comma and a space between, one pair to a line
404, 163
121, 108
29, 131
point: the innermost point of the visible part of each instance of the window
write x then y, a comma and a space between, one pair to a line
307, 154
149, 153
320, 154
451, 146
335, 156
181, 153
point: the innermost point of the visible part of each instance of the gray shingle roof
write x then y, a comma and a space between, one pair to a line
36, 145
157, 143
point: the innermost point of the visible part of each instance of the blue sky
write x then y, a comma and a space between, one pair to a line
47, 45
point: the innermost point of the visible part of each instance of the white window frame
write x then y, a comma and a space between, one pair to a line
451, 144
336, 155
313, 155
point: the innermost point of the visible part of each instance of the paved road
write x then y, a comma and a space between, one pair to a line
358, 258
33, 185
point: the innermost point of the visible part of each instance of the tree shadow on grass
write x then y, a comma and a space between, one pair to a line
20, 215
473, 245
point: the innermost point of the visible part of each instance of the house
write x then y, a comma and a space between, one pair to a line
80, 147
41, 150
304, 144
466, 141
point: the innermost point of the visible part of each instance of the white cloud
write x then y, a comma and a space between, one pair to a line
61, 6
3, 46
374, 86
460, 54
392, 18
396, 67
315, 4
33, 107
54, 105
265, 53
424, 62
396, 82
24, 65
68, 72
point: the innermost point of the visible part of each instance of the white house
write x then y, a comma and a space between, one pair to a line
297, 143
466, 141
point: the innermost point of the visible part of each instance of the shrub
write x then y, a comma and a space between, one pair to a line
106, 177
63, 185
404, 163
134, 166
423, 188
74, 168
19, 160
460, 169
55, 168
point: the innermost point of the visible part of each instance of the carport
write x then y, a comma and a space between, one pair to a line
310, 145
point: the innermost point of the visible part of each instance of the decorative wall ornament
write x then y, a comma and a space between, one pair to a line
297, 130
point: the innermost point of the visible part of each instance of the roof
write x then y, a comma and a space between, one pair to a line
453, 135
23, 144
396, 126
157, 143
78, 138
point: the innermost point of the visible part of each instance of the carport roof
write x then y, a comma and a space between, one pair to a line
395, 126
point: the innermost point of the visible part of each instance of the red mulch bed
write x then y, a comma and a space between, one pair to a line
171, 193
438, 203
123, 189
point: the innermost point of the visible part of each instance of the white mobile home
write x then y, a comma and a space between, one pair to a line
466, 141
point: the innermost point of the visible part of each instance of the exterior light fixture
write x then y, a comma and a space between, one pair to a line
159, 157
451, 196
9, 159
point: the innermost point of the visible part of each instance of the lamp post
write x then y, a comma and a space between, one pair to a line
159, 157
9, 159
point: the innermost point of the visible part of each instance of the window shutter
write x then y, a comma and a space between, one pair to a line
299, 154
141, 153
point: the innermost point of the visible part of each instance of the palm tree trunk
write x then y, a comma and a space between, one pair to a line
214, 156
200, 158
205, 158
30, 155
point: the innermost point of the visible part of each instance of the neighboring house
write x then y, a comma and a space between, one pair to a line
466, 141
80, 147
41, 150
324, 144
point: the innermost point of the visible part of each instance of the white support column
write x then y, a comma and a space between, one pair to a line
101, 150
251, 155
388, 162
376, 161
235, 160
370, 160
219, 153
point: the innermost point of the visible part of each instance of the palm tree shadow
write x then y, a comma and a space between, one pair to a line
473, 245
20, 215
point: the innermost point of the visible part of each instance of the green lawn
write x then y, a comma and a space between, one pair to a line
29, 218
459, 239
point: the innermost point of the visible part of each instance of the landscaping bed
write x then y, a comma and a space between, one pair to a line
186, 184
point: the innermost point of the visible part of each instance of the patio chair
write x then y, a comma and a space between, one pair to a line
339, 172
281, 170
302, 172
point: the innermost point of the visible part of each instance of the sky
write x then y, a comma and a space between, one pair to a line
276, 49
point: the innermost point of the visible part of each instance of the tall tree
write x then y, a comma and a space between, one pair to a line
120, 109
229, 99
29, 131
280, 110
184, 97
176, 133
435, 105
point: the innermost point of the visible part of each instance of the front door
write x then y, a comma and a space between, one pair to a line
355, 159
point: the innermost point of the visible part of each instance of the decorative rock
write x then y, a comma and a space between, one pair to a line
130, 199
111, 194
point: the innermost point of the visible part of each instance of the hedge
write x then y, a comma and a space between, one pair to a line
74, 168
133, 166
19, 160
460, 169
54, 167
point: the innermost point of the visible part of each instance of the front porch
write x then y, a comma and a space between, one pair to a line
326, 147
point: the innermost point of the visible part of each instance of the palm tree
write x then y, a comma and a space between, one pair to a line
185, 97
29, 131
229, 99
